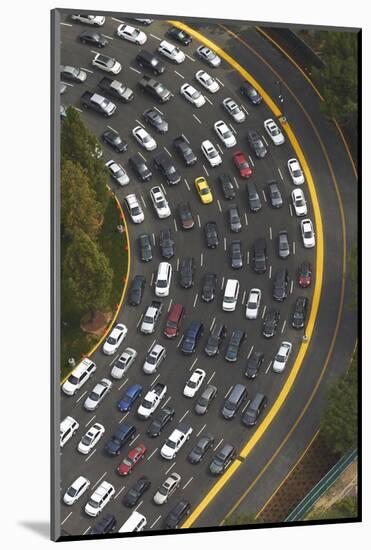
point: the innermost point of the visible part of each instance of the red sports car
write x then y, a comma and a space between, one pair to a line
305, 275
241, 164
134, 456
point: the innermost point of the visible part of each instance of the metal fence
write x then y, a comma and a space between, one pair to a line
325, 483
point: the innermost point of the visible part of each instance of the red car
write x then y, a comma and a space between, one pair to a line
134, 456
241, 164
174, 320
305, 275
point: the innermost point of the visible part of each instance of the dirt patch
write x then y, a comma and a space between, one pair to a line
97, 324
344, 486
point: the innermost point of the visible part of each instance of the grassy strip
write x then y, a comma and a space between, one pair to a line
75, 342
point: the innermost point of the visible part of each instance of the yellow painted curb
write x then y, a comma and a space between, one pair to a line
123, 291
318, 279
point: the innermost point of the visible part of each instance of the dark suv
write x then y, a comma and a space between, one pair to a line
235, 342
215, 339
145, 247
140, 167
253, 197
271, 320
275, 194
254, 363
191, 337
236, 254
234, 219
260, 255
167, 168
166, 243
147, 60
106, 525
184, 150
227, 186
180, 511
256, 144
124, 434
280, 284
186, 272
222, 459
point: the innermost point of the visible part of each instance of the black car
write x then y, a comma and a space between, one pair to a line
222, 459
215, 339
254, 363
180, 511
250, 93
208, 287
156, 120
300, 312
253, 197
94, 38
236, 255
270, 323
183, 148
165, 165
159, 422
179, 35
211, 235
275, 194
145, 247
136, 290
257, 144
186, 272
114, 140
140, 167
259, 255
198, 452
124, 434
147, 60
186, 215
227, 186
254, 410
106, 525
280, 284
134, 494
234, 219
235, 342
166, 242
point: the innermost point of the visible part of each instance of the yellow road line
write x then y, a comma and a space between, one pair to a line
292, 61
95, 347
318, 280
266, 35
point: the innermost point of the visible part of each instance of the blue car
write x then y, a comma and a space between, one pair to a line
130, 396
191, 337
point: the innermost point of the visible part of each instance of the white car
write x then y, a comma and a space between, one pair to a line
225, 134
118, 173
134, 208
209, 56
192, 95
98, 20
274, 132
68, 428
171, 484
96, 396
210, 153
106, 63
163, 279
156, 355
91, 438
151, 401
307, 232
234, 110
131, 34
159, 202
79, 376
207, 81
144, 138
99, 499
115, 339
124, 362
282, 356
299, 203
171, 52
176, 441
295, 171
194, 383
253, 303
76, 490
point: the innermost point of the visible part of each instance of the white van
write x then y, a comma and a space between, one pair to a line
68, 428
136, 522
232, 288
79, 376
163, 279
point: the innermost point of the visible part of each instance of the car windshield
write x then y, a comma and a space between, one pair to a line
135, 210
204, 191
72, 492
86, 440
109, 62
94, 396
280, 358
73, 380
146, 404
229, 299
93, 503
151, 359
191, 384
160, 88
171, 444
196, 94
202, 401
274, 131
171, 324
127, 462
244, 164
111, 340
147, 319
163, 491
156, 425
212, 153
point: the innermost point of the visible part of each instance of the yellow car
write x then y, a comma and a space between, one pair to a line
203, 190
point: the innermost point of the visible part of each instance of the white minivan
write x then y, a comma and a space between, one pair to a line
232, 288
136, 522
163, 279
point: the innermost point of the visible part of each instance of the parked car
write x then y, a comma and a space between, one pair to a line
280, 284
159, 202
145, 247
295, 171
254, 410
98, 393
156, 120
227, 186
114, 140
106, 63
131, 460
144, 138
179, 35
135, 493
270, 323
222, 459
164, 164
136, 290
72, 74
169, 486
207, 81
248, 91
154, 358
282, 356
105, 526
236, 254
115, 339
299, 203
91, 438
305, 274
307, 233
118, 173
186, 215
210, 153
274, 132
236, 340
174, 320
253, 303
180, 511
234, 218
93, 38
192, 95
134, 208
254, 363
208, 56
275, 194
259, 255
123, 435
123, 363
193, 384
116, 89
225, 134
166, 243
206, 398
184, 150
257, 144
76, 490
171, 52
191, 337
208, 287
150, 62
283, 244
215, 339
234, 110
131, 34
300, 312
99, 499
204, 444
129, 397
186, 272
158, 423
242, 164
253, 197
97, 20
211, 234
139, 165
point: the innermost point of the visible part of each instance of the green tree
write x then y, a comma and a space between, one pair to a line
86, 276
79, 207
339, 417
345, 508
81, 146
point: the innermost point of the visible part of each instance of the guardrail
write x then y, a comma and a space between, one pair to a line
325, 483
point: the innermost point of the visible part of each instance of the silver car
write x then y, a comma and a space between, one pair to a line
205, 400
97, 395
169, 486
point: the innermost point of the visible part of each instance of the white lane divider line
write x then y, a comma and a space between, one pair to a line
264, 310
181, 76
200, 431
168, 152
233, 129
269, 366
280, 173
220, 149
293, 247
119, 493
81, 396
228, 392
251, 161
118, 20
172, 466
185, 137
123, 418
245, 407
218, 445
175, 225
86, 530
158, 110
69, 515
248, 257
206, 172
180, 341
123, 384
198, 120
219, 205
187, 184
134, 440
151, 455
184, 415
264, 197
143, 157
283, 326
135, 70
290, 207
190, 57
270, 232
154, 36
166, 402
169, 306
208, 100
243, 297
139, 505
106, 36
220, 82
99, 480
188, 482
247, 112
250, 352
202, 259
195, 300
156, 521
198, 220
246, 220
265, 141
193, 364
155, 380
90, 421
292, 286
211, 377
270, 272
225, 243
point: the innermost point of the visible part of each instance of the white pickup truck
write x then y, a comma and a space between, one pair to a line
151, 401
176, 441
151, 317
